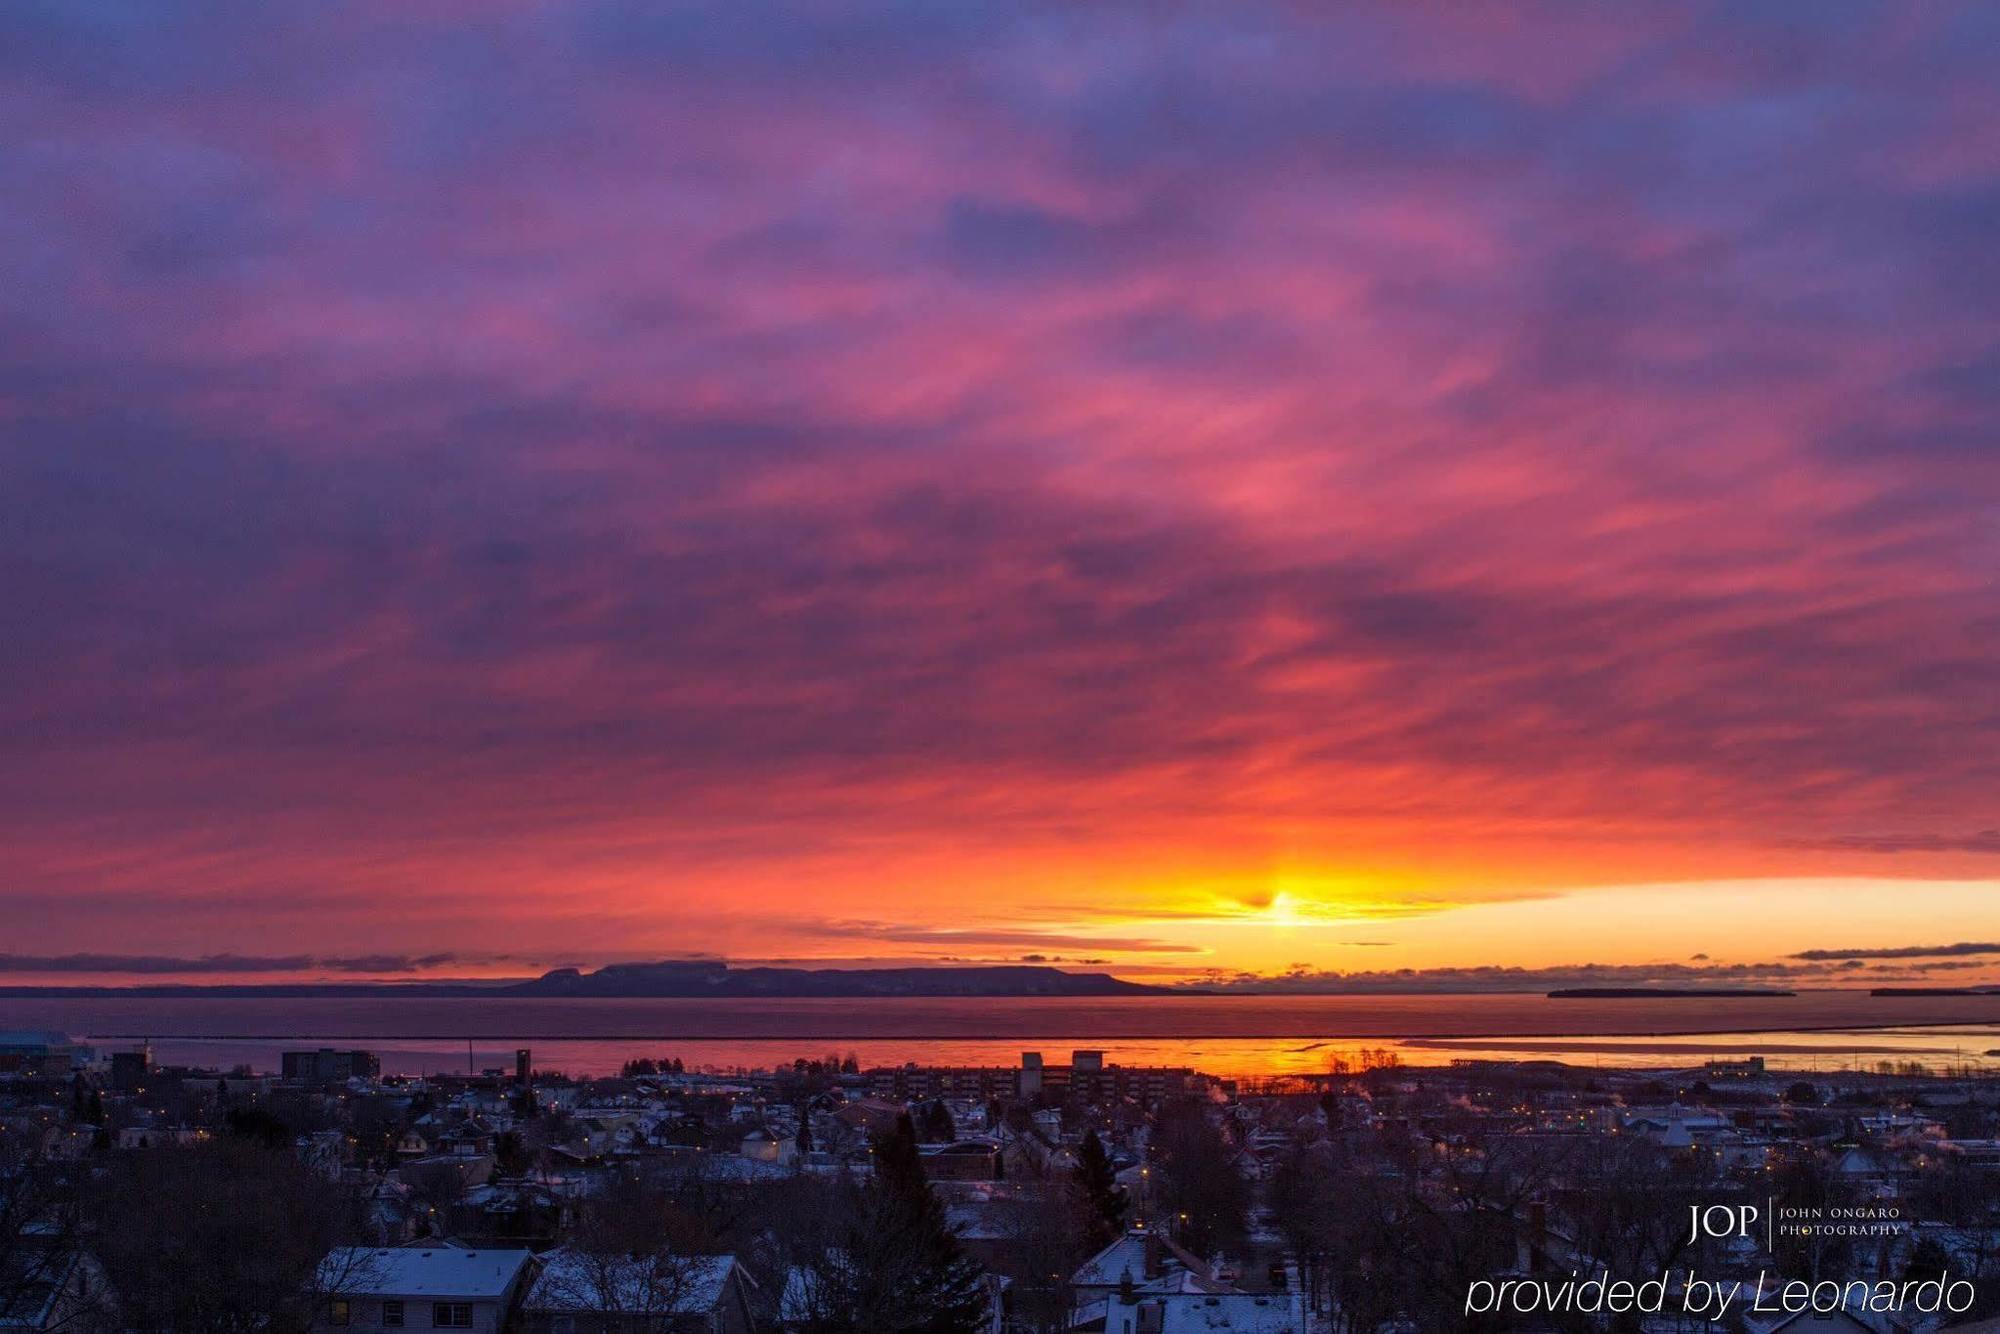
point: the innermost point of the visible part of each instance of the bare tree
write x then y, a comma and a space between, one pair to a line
221, 1237
437, 1187
1628, 1203
1048, 1235
1356, 1234
1810, 1182
652, 1286
1960, 1195
48, 1280
640, 1246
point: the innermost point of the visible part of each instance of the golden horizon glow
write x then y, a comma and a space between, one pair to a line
1183, 492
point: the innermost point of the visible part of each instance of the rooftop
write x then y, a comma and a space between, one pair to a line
1127, 1257
573, 1281
407, 1271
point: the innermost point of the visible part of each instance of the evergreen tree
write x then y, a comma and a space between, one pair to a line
899, 1168
1196, 1177
898, 1265
1094, 1174
938, 1127
804, 1139
510, 1154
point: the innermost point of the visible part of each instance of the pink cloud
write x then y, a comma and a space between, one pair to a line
581, 452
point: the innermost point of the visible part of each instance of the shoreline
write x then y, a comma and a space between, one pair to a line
1182, 1035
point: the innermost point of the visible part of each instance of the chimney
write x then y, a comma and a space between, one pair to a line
1156, 1257
1534, 1244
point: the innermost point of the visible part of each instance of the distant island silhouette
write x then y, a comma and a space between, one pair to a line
1646, 993
679, 979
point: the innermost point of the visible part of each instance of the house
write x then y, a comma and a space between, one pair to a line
1143, 1283
52, 1288
391, 1213
471, 1138
1028, 1153
1197, 1313
1141, 1258
578, 1293
507, 1212
325, 1150
431, 1287
870, 1116
965, 1160
158, 1137
461, 1171
1863, 1164
762, 1146
1830, 1322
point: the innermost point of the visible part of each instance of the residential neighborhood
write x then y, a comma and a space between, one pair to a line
1075, 1196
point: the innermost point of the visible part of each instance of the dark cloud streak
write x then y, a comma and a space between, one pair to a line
1962, 948
221, 963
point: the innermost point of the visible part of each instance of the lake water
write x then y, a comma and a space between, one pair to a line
1224, 1035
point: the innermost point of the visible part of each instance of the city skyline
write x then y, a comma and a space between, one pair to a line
500, 488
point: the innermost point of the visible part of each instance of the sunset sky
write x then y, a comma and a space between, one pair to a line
1243, 488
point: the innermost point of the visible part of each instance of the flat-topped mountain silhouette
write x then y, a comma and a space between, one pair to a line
700, 978
675, 979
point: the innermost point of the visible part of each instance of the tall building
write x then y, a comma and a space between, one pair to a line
328, 1066
42, 1052
129, 1069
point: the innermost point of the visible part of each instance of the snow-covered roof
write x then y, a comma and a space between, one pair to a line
678, 1285
406, 1271
1183, 1282
1127, 1256
1240, 1313
800, 1295
32, 1282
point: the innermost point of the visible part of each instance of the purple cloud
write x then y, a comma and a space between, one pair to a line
466, 461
